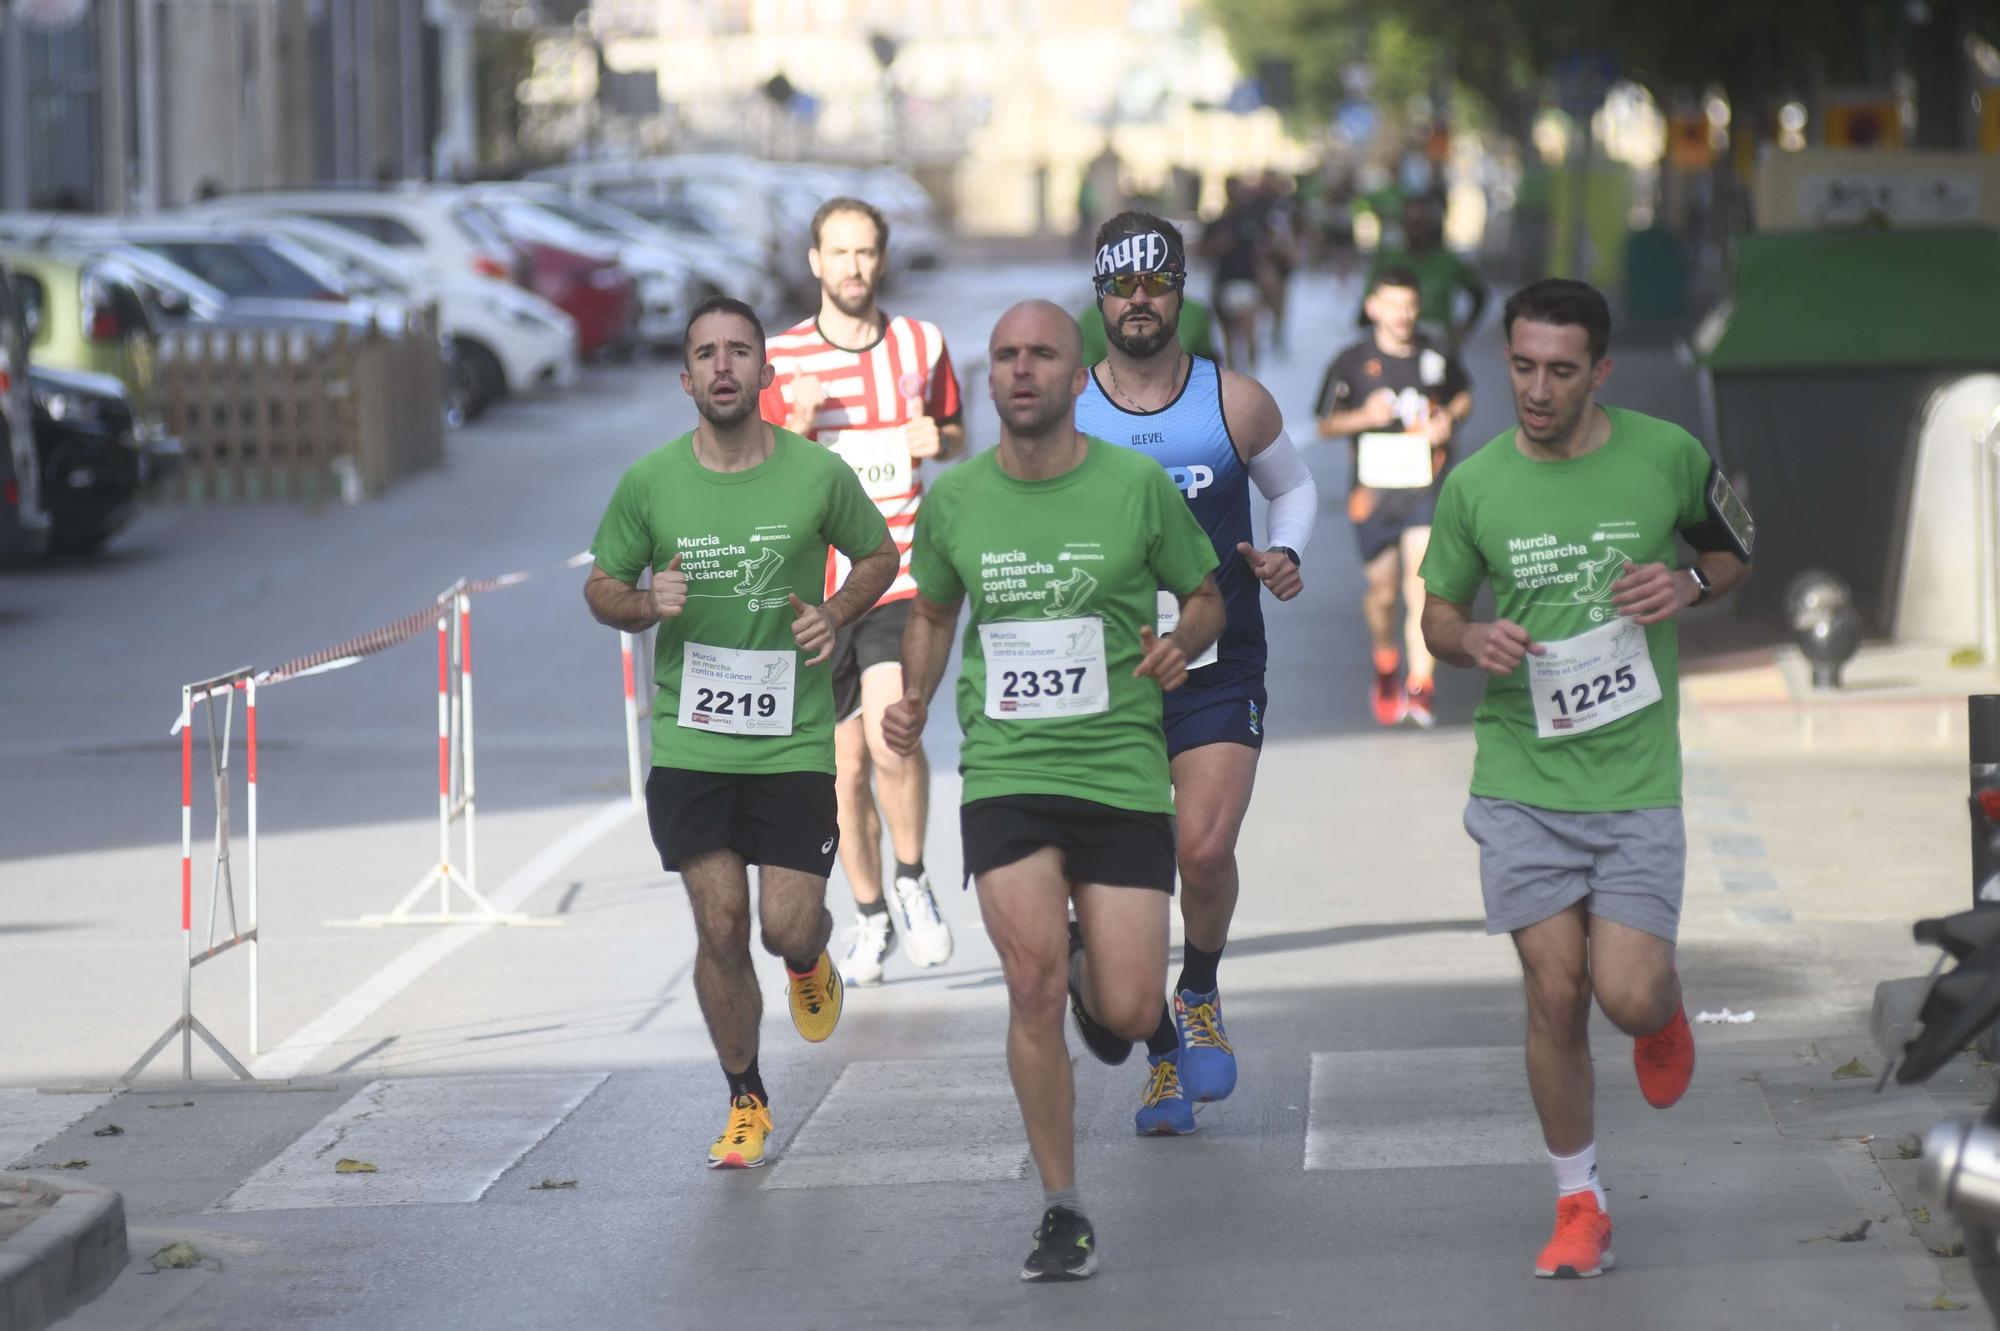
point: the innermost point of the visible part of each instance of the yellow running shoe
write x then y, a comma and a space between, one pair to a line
741, 1145
815, 998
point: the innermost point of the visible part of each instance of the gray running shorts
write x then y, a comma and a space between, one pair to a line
1535, 863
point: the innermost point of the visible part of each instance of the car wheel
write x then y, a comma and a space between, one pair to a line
476, 381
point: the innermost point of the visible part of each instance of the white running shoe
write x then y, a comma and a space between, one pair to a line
924, 930
865, 943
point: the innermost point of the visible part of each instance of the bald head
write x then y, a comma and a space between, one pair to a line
1040, 321
1036, 354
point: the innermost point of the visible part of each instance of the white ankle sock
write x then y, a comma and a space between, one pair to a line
1578, 1173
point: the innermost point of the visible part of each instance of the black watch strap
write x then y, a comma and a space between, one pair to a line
1290, 554
1703, 587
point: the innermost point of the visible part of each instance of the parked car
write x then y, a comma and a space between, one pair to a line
664, 279
718, 268
438, 223
708, 196
24, 524
95, 463
584, 279
81, 316
500, 339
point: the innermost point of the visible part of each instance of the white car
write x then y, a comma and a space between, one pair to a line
503, 340
714, 266
449, 231
713, 198
664, 279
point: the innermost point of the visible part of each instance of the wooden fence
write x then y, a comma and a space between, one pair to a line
301, 414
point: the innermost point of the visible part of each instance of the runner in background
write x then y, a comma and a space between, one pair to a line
1441, 275
1400, 398
879, 391
1235, 243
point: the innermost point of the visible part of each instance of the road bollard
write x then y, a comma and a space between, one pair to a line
1983, 749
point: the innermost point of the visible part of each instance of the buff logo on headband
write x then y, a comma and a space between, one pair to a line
1146, 252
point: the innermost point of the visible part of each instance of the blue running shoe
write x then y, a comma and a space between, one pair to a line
1208, 1064
1164, 1111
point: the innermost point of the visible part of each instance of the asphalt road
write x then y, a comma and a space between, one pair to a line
1378, 1166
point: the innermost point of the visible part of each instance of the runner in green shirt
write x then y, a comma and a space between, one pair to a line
1062, 543
1441, 274
1573, 516
735, 519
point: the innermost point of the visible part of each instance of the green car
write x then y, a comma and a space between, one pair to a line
82, 316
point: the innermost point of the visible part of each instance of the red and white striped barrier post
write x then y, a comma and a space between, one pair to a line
457, 786
187, 1026
634, 767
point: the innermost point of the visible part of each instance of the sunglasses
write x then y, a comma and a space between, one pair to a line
1123, 285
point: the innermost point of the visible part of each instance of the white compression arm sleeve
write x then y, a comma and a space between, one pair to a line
1280, 476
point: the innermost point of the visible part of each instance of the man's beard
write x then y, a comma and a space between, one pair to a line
1143, 345
851, 306
726, 416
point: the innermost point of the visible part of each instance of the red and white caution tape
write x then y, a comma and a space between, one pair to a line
393, 634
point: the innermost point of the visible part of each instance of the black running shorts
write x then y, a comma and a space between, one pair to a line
1099, 843
784, 819
874, 639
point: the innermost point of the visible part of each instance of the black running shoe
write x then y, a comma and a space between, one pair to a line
1065, 1247
1105, 1044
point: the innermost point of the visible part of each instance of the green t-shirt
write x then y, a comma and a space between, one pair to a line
1441, 275
746, 540
1196, 336
1097, 541
1553, 537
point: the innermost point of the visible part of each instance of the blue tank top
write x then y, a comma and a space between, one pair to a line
1191, 440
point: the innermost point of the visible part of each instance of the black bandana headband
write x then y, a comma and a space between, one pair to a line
1146, 251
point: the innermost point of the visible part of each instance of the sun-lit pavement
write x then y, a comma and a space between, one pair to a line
1377, 1167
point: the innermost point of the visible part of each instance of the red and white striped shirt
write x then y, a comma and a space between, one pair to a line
869, 396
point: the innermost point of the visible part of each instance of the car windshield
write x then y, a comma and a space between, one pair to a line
242, 268
578, 217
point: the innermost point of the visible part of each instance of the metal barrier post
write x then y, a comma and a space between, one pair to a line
456, 786
634, 767
221, 883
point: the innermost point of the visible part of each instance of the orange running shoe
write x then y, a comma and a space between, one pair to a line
1387, 698
1581, 1246
1664, 1061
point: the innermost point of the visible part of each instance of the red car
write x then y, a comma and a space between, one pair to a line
586, 283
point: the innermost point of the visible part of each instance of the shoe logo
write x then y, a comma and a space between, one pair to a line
775, 672
1083, 1242
758, 573
827, 847
1081, 642
1068, 595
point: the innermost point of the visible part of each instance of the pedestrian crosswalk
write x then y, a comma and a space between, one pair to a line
448, 1139
424, 1140
30, 1117
861, 1133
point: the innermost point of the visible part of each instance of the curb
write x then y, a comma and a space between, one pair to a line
65, 1258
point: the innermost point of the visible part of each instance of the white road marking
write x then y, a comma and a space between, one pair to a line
371, 995
432, 1140
860, 1133
28, 1118
1410, 1108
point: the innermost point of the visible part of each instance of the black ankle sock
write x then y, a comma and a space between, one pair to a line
1198, 969
1166, 1037
802, 967
747, 1082
909, 870
879, 906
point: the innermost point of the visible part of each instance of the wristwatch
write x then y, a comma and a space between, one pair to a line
1288, 553
1703, 588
